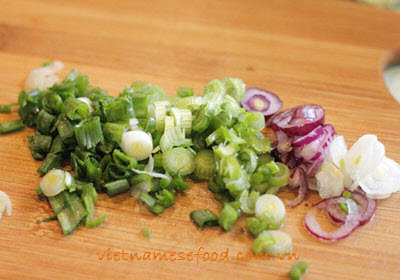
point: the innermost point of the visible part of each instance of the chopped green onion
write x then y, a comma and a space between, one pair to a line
140, 183
137, 144
347, 194
234, 87
344, 207
5, 108
40, 145
181, 185
57, 146
236, 187
89, 133
113, 131
116, 187
178, 160
184, 92
216, 184
270, 208
75, 109
165, 198
8, 127
255, 226
146, 233
204, 218
204, 164
122, 161
248, 201
273, 242
147, 199
249, 157
50, 162
281, 178
171, 137
201, 121
140, 104
118, 109
69, 210
297, 270
228, 217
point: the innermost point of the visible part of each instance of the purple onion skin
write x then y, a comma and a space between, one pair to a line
274, 102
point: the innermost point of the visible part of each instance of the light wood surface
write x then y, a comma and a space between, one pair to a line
324, 52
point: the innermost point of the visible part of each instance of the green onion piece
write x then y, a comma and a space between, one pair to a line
273, 167
117, 174
50, 162
89, 197
93, 171
57, 146
264, 159
262, 243
171, 137
44, 122
157, 209
140, 104
39, 144
297, 270
116, 187
146, 233
201, 121
165, 198
204, 218
228, 217
8, 127
259, 143
214, 87
75, 109
280, 178
258, 178
89, 223
184, 92
141, 183
178, 160
347, 194
113, 131
105, 147
69, 210
248, 201
255, 226
180, 183
48, 219
118, 109
343, 207
273, 190
5, 108
66, 130
147, 199
122, 161
204, 164
154, 92
234, 87
271, 209
89, 133
39, 191
190, 102
254, 120
216, 184
250, 158
222, 119
236, 187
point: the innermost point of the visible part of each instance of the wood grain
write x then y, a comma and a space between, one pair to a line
324, 52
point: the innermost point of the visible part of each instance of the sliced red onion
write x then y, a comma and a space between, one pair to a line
298, 179
300, 120
256, 99
350, 224
301, 141
368, 207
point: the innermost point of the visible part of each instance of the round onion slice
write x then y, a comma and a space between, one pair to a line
298, 179
368, 207
300, 120
350, 224
256, 99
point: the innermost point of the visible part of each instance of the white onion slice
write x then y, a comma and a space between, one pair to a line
383, 181
337, 151
53, 182
150, 164
137, 144
363, 156
5, 204
329, 180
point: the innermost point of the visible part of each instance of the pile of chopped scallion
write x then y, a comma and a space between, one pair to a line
147, 143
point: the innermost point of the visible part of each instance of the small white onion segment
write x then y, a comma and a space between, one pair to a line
271, 209
383, 181
329, 180
363, 157
43, 77
137, 144
53, 182
283, 243
337, 151
5, 204
88, 102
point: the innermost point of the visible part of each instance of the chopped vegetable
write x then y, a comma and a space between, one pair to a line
146, 233
204, 218
137, 144
256, 99
5, 204
275, 243
297, 270
53, 182
11, 126
270, 208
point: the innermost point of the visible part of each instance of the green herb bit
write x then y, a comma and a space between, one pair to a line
347, 194
204, 218
228, 217
8, 127
89, 133
343, 207
48, 219
184, 92
297, 270
146, 233
5, 108
255, 226
116, 187
50, 162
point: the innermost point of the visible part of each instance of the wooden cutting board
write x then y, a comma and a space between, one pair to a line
325, 52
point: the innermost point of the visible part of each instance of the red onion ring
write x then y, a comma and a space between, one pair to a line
350, 224
300, 120
256, 99
368, 207
298, 179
